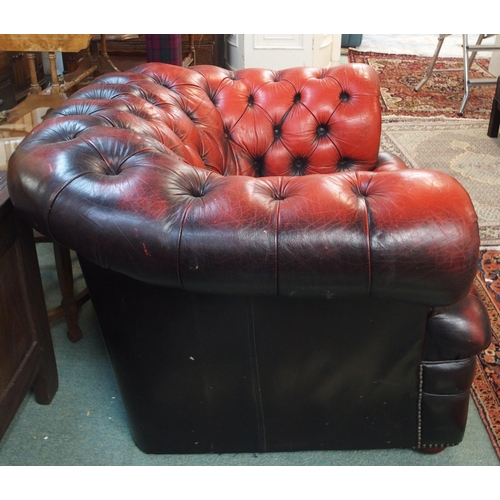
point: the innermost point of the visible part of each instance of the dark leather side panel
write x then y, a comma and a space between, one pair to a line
232, 373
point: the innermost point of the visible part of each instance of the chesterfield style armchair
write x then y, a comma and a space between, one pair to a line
264, 278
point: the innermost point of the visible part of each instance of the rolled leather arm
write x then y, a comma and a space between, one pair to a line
130, 204
455, 335
458, 331
389, 162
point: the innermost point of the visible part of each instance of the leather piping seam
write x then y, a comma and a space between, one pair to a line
54, 199
257, 389
179, 239
276, 237
368, 239
179, 242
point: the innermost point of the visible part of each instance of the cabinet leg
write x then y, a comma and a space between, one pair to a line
46, 382
494, 123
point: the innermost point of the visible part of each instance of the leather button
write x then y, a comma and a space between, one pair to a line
196, 191
345, 164
258, 164
322, 131
344, 96
299, 165
277, 195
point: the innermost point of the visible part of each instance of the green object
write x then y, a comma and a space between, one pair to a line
351, 40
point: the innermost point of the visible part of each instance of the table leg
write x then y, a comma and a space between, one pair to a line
69, 303
34, 87
55, 87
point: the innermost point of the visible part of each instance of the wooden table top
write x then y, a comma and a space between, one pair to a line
44, 43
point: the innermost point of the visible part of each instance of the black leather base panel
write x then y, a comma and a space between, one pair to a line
230, 373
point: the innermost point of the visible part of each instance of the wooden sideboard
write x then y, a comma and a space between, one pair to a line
26, 353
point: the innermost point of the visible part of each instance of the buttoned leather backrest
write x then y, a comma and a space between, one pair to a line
248, 122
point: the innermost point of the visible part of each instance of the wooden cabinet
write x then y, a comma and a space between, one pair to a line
26, 354
15, 77
126, 53
7, 94
209, 49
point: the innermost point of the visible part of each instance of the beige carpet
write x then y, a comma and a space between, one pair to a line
460, 148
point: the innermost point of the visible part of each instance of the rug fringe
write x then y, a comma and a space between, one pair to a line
403, 118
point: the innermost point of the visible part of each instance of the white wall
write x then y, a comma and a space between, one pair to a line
494, 67
281, 51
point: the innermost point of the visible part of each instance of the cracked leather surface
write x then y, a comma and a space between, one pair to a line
252, 181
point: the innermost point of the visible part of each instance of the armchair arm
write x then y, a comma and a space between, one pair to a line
389, 162
409, 234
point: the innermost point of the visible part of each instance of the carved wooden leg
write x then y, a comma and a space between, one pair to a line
34, 87
105, 63
55, 87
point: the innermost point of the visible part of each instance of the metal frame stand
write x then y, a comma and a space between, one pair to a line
469, 54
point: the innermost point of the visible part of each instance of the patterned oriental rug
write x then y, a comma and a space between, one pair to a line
486, 386
443, 93
459, 147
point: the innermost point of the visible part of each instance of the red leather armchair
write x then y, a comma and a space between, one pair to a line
265, 279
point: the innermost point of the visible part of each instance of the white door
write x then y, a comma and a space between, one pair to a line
282, 51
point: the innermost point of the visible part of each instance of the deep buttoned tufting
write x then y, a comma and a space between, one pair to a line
250, 181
